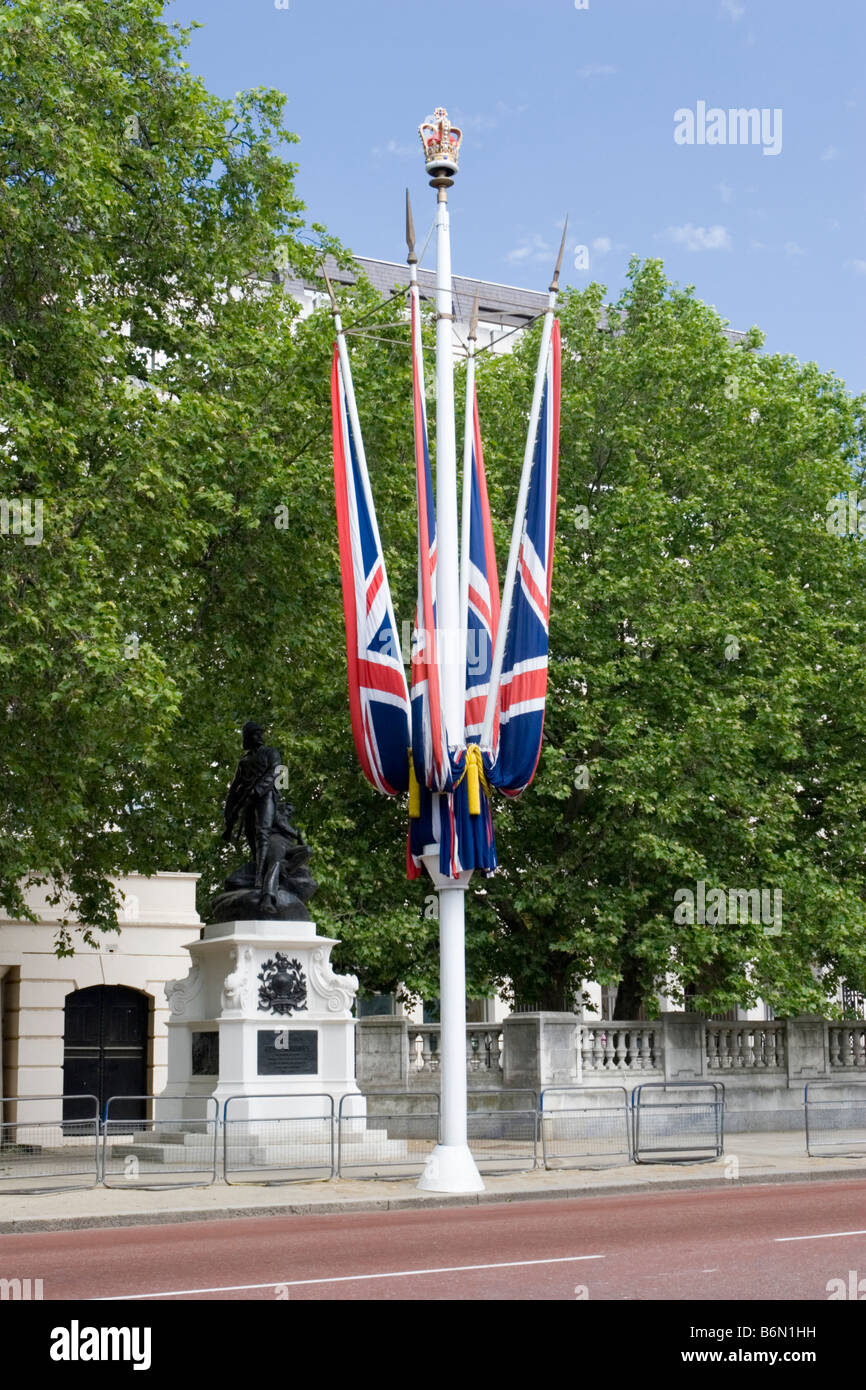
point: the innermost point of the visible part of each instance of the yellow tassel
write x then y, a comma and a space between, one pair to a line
474, 768
414, 792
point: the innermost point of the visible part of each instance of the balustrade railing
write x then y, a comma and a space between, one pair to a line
609, 1048
635, 1048
847, 1046
746, 1046
483, 1047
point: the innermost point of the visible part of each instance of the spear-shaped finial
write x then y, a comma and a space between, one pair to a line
554, 284
473, 321
327, 281
412, 259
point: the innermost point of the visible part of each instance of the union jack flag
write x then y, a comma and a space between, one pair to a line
378, 695
451, 811
523, 685
429, 736
483, 586
464, 836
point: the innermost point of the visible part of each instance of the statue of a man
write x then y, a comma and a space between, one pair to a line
254, 799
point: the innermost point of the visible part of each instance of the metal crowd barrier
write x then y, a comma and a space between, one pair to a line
585, 1126
49, 1155
296, 1142
387, 1136
678, 1130
835, 1124
504, 1137
163, 1152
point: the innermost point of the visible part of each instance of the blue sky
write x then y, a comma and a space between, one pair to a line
568, 109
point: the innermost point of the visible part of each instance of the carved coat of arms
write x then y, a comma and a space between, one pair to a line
283, 988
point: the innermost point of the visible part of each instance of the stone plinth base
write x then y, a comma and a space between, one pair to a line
259, 1015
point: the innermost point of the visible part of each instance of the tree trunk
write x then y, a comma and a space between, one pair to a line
556, 992
629, 996
555, 997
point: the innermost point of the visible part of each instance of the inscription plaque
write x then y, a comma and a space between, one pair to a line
290, 1052
205, 1054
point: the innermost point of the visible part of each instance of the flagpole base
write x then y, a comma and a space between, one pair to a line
451, 1168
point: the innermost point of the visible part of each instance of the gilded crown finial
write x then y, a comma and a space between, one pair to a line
441, 143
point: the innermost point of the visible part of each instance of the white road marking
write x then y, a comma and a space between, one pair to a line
828, 1235
346, 1278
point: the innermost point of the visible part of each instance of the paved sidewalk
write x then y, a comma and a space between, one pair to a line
749, 1158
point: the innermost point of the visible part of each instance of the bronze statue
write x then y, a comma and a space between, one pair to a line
276, 883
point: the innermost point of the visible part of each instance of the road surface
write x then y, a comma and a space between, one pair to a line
776, 1242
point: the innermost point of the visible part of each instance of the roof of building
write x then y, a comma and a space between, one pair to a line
508, 305
505, 304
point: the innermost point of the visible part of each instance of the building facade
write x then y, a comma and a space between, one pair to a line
93, 1023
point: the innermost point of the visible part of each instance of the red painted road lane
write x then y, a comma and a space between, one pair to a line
724, 1244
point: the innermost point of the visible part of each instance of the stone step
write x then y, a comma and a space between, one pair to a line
373, 1145
184, 1137
174, 1154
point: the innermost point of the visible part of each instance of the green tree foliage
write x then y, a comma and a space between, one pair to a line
170, 409
146, 387
166, 405
705, 714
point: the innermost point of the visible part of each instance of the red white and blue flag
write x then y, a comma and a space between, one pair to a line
460, 825
378, 695
429, 735
523, 685
450, 810
483, 605
471, 814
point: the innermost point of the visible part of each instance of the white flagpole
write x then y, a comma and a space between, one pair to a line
520, 510
415, 316
466, 518
451, 1167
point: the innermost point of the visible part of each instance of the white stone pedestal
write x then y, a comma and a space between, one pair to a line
262, 1051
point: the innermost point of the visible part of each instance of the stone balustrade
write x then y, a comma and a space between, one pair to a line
735, 1046
619, 1048
484, 1044
764, 1066
847, 1046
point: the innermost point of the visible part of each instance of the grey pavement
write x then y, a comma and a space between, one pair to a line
749, 1158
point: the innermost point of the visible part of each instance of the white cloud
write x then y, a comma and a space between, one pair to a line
488, 120
831, 153
482, 120
858, 266
694, 238
602, 245
396, 150
733, 10
533, 248
789, 248
597, 70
